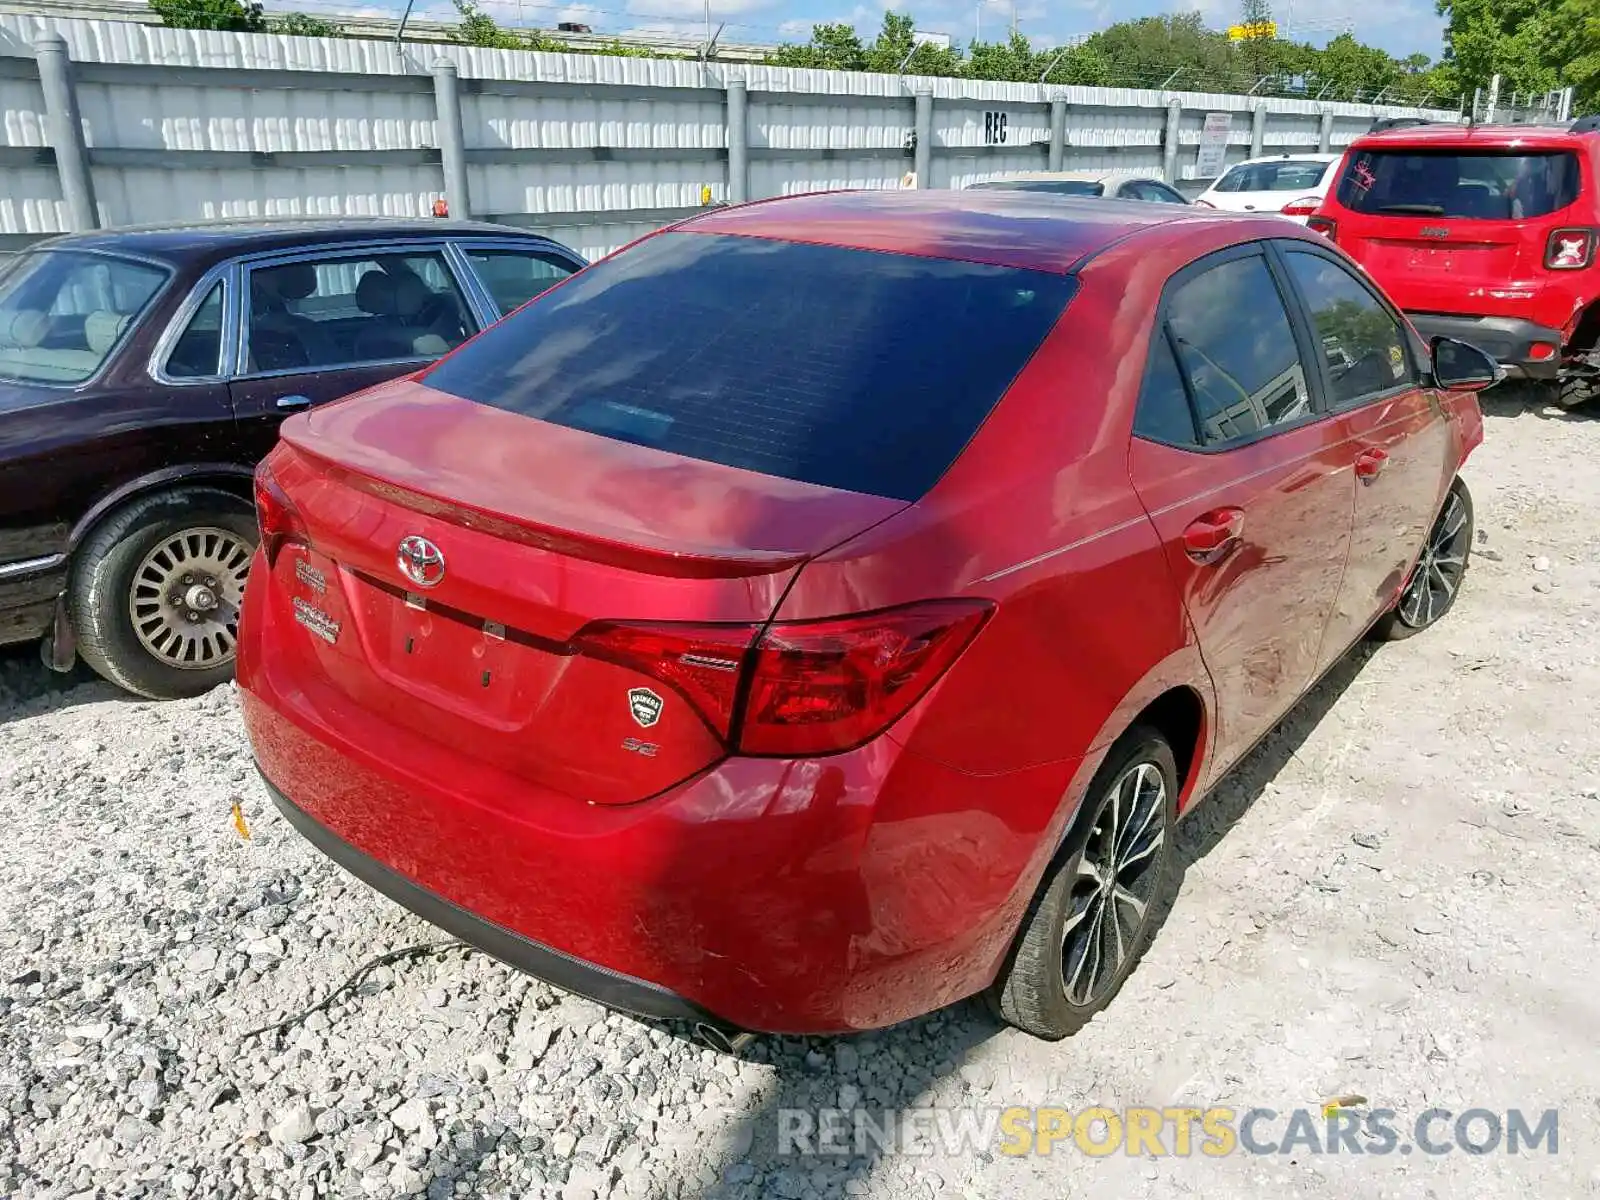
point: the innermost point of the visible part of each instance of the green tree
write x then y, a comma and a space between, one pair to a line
834, 46
838, 47
1345, 69
477, 28
1526, 42
1145, 53
1013, 59
299, 24
240, 17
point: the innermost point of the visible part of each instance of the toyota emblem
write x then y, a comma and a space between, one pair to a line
421, 561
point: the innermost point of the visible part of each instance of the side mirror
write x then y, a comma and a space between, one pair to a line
1461, 367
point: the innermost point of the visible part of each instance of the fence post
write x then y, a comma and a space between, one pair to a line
1325, 132
738, 141
1258, 130
1058, 134
452, 153
66, 131
922, 162
1169, 144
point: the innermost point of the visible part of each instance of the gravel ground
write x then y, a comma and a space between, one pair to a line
1393, 897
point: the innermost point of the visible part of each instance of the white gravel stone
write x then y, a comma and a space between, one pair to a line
294, 1125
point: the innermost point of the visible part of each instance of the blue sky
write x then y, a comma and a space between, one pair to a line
1399, 26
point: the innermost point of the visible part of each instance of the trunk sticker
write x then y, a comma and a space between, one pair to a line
645, 706
317, 621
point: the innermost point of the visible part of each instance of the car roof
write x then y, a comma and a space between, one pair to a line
1005, 228
1487, 137
203, 243
1309, 156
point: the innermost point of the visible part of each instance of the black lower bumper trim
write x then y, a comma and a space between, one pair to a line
601, 984
1509, 340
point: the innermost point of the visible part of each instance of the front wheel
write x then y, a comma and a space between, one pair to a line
1101, 906
1435, 581
156, 589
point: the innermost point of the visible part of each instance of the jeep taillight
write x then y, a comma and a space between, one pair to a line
1570, 249
276, 516
803, 687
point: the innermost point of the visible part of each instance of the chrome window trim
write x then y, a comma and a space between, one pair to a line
169, 273
534, 246
225, 274
484, 309
279, 258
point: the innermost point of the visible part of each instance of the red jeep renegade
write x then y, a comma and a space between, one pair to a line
1484, 233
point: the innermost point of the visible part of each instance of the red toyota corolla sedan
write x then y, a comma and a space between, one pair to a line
821, 611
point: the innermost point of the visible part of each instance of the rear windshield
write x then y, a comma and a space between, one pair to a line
1433, 183
1273, 177
62, 312
847, 368
1058, 187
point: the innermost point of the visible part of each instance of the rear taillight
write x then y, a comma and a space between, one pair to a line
703, 662
804, 687
1569, 249
1326, 226
276, 515
817, 687
1302, 207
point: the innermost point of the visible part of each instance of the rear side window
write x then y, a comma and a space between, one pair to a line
1435, 183
1164, 414
1273, 177
62, 312
1238, 351
851, 369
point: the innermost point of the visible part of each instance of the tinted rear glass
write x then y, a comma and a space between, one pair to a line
1056, 187
846, 368
1273, 177
1490, 187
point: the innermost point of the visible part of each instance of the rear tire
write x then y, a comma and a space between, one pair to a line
1576, 390
1118, 864
1435, 581
111, 581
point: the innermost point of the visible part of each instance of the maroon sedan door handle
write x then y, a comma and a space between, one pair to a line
1210, 537
1370, 464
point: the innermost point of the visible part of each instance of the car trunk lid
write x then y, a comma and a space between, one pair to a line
519, 536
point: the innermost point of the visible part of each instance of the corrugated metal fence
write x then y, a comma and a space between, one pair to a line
593, 149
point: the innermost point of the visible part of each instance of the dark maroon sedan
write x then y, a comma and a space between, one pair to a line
143, 373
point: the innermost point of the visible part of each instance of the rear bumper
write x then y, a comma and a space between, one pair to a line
610, 988
1507, 339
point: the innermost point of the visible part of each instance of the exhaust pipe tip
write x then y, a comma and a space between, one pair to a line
721, 1040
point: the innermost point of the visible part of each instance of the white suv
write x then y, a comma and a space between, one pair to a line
1290, 184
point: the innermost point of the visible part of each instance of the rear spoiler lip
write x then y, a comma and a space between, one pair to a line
590, 545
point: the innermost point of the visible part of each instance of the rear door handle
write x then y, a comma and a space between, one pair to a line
292, 403
1370, 464
1209, 538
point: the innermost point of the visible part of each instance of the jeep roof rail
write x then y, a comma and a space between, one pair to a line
1585, 125
1383, 124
